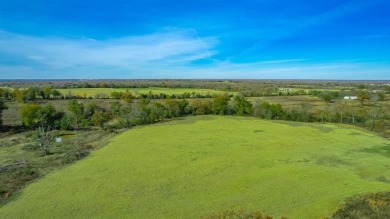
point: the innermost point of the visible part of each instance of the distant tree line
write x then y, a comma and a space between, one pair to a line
30, 94
248, 88
328, 91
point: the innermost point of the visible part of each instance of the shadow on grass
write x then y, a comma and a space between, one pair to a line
382, 150
319, 127
331, 161
13, 129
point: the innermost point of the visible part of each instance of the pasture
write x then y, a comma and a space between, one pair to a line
91, 92
191, 167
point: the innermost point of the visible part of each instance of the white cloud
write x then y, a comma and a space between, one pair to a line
160, 55
177, 47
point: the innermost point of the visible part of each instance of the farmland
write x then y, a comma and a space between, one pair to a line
91, 92
178, 169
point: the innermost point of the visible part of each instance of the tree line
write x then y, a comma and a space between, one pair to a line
30, 94
124, 112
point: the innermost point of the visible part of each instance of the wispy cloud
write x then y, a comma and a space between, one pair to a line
178, 47
160, 55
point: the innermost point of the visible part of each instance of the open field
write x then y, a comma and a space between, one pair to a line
290, 101
91, 92
199, 165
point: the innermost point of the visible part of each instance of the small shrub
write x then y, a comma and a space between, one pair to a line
241, 214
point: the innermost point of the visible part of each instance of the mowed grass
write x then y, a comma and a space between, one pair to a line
91, 92
199, 165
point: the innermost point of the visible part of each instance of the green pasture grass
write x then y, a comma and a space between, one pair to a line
90, 92
289, 101
11, 115
192, 167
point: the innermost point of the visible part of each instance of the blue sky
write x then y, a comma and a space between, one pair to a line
145, 39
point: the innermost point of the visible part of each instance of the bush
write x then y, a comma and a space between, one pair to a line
66, 123
373, 206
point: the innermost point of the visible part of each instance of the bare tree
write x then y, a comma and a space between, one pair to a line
45, 136
376, 118
341, 108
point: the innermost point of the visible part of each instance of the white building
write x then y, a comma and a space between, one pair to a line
350, 98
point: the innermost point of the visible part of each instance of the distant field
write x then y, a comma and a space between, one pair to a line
90, 92
290, 101
199, 165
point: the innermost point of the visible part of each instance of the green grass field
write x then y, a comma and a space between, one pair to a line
191, 167
90, 92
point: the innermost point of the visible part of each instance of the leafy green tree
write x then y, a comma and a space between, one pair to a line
144, 101
327, 96
34, 115
242, 106
380, 96
266, 110
304, 113
47, 116
386, 88
2, 91
66, 122
116, 95
220, 103
5, 93
172, 108
2, 107
18, 95
30, 114
77, 108
46, 91
142, 114
362, 95
31, 93
127, 97
55, 93
100, 118
183, 107
199, 107
126, 115
116, 107
157, 112
90, 109
362, 86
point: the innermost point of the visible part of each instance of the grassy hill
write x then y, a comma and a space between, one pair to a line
195, 166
